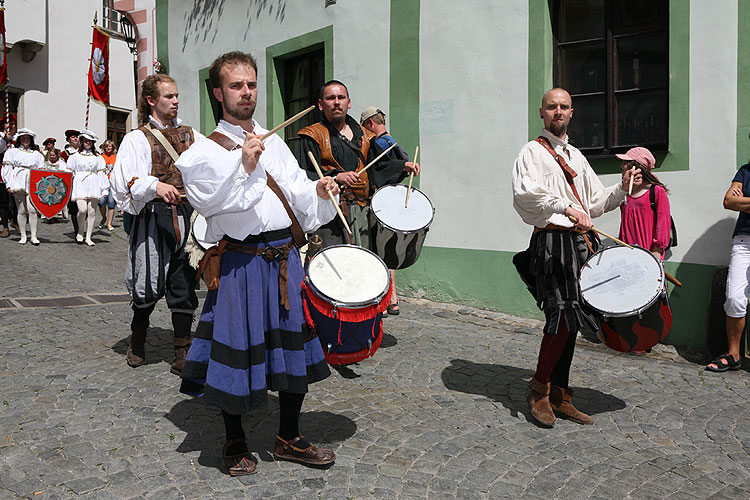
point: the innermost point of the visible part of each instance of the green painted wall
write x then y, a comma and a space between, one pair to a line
404, 75
209, 107
488, 279
275, 56
162, 33
541, 79
743, 83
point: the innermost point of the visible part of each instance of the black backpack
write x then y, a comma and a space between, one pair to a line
673, 231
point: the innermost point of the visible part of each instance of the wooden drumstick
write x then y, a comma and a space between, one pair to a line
630, 185
287, 122
672, 279
411, 178
330, 194
376, 159
574, 221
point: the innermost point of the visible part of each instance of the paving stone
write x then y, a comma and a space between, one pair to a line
438, 412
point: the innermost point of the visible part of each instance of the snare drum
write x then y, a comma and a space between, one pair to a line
627, 287
345, 292
397, 233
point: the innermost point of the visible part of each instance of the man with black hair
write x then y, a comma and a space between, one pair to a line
342, 148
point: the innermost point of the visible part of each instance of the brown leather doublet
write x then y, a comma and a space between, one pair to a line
162, 165
318, 132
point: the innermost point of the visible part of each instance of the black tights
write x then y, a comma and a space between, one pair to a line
290, 405
181, 322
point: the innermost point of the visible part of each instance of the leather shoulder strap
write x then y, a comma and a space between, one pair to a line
567, 171
163, 141
298, 235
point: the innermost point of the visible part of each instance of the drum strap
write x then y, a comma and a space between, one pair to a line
297, 234
569, 175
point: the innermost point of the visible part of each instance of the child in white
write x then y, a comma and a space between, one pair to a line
17, 164
89, 183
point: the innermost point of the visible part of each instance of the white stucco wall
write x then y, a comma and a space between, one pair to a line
54, 84
242, 27
473, 88
473, 106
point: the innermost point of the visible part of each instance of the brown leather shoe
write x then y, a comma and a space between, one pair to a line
559, 398
181, 347
242, 464
539, 404
137, 349
285, 450
5, 233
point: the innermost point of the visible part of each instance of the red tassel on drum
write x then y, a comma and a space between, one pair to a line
342, 313
353, 357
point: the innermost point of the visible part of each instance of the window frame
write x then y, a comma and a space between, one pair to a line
611, 93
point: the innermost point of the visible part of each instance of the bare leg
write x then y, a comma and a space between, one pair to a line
735, 327
110, 217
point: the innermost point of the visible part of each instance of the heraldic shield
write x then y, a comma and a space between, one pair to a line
49, 190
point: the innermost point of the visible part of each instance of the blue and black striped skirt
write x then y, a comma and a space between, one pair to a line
246, 342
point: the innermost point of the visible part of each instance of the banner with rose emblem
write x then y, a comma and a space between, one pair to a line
99, 69
49, 190
3, 51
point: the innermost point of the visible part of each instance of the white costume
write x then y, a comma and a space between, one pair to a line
134, 160
16, 165
541, 194
237, 204
89, 177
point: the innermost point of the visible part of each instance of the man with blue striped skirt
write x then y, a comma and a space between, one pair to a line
250, 339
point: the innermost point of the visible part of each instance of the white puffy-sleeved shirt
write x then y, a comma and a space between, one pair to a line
17, 163
61, 166
541, 194
89, 177
238, 204
134, 160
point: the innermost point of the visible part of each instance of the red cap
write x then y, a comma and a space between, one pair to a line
640, 155
49, 139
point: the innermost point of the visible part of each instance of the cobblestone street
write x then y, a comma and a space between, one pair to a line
438, 412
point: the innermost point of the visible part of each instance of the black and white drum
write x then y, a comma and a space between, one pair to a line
397, 232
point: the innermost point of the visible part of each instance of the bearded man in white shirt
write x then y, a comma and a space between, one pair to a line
553, 185
250, 336
146, 184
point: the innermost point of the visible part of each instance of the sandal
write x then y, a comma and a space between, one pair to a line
241, 464
724, 363
394, 309
285, 450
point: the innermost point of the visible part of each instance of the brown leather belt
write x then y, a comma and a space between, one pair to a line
565, 228
269, 253
175, 220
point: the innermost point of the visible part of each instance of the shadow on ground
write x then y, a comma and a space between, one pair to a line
508, 385
159, 346
205, 429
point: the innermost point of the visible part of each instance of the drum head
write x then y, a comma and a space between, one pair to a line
200, 226
388, 207
348, 276
619, 281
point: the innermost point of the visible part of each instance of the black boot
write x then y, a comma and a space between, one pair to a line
137, 349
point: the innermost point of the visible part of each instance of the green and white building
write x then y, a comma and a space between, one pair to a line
464, 80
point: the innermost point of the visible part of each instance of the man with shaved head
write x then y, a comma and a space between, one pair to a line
556, 191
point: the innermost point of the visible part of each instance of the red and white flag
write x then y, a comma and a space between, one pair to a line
3, 54
99, 69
